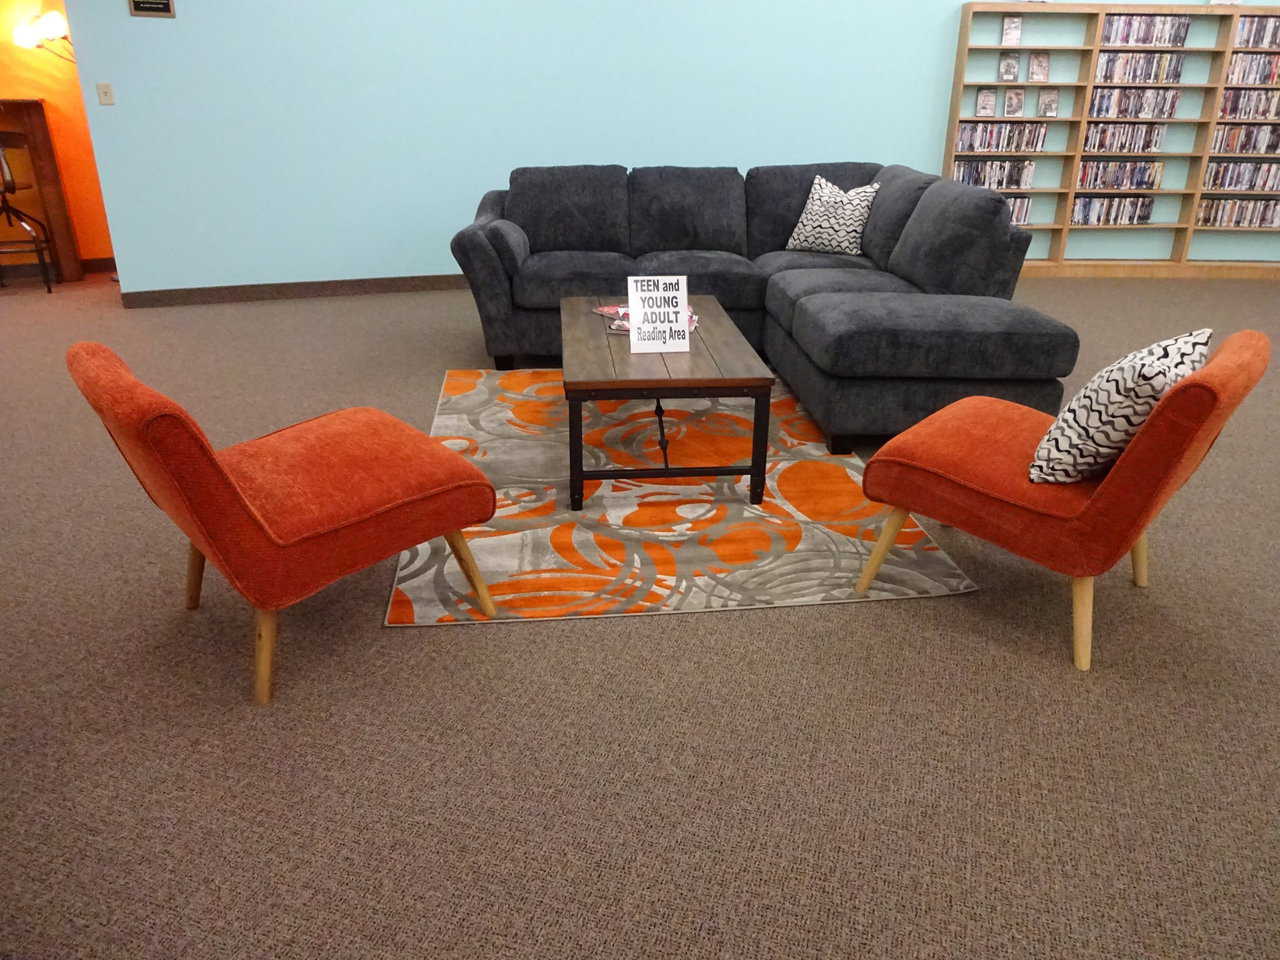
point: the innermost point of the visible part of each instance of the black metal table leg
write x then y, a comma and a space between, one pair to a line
662, 432
759, 446
575, 454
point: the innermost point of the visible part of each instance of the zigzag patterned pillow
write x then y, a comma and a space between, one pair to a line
833, 220
1095, 427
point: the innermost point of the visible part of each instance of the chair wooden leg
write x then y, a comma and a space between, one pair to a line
264, 647
1139, 557
1082, 621
462, 553
195, 577
888, 533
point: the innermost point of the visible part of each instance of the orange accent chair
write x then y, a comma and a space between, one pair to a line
966, 466
287, 514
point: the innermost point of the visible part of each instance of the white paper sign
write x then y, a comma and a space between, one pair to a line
658, 309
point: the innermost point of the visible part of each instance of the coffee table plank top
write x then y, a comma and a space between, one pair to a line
718, 354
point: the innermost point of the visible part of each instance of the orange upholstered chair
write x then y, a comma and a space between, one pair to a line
966, 465
287, 514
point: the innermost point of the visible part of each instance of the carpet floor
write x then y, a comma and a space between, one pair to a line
907, 780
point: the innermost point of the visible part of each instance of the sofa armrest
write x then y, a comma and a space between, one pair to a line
489, 281
511, 242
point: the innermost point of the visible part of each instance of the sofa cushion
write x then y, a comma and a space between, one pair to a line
545, 278
788, 288
777, 260
931, 335
687, 208
571, 208
733, 280
958, 240
776, 197
900, 190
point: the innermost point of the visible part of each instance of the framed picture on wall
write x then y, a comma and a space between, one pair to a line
1014, 101
985, 105
1011, 30
1047, 104
1038, 67
1008, 69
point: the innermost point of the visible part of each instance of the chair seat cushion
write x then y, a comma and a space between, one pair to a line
931, 335
778, 260
545, 279
789, 287
345, 467
966, 465
733, 280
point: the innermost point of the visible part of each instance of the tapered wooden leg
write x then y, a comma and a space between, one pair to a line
888, 533
195, 577
1082, 621
262, 653
1139, 557
462, 553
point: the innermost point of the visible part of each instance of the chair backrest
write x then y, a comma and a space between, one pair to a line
167, 451
1179, 432
7, 183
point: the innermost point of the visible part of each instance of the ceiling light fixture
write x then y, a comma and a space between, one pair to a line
43, 31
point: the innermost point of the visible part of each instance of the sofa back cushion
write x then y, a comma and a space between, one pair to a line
687, 208
776, 197
900, 190
958, 240
571, 207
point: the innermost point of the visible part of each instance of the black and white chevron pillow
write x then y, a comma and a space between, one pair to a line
1095, 427
833, 220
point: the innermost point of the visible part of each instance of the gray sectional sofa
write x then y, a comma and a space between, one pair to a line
869, 344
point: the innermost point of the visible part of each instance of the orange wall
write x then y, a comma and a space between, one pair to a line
37, 75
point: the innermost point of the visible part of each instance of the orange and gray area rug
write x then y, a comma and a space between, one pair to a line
652, 546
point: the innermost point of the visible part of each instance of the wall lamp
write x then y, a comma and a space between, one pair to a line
43, 31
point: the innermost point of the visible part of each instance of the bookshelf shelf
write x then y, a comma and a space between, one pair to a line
1129, 226
1011, 153
1027, 119
1022, 83
1136, 154
1101, 192
1109, 48
1046, 47
1199, 97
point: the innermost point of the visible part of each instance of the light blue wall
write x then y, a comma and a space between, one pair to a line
285, 141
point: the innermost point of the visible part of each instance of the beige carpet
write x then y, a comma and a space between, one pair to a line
865, 780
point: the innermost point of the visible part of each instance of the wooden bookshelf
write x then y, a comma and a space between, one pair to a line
1208, 52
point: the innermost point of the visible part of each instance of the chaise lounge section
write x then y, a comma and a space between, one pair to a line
870, 344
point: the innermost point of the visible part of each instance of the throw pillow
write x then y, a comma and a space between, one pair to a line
833, 220
1095, 427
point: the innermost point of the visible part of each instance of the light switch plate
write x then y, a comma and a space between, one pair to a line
106, 96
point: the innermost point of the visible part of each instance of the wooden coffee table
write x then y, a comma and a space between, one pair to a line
599, 365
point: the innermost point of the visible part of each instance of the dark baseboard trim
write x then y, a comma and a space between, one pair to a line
27, 270
291, 291
99, 265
